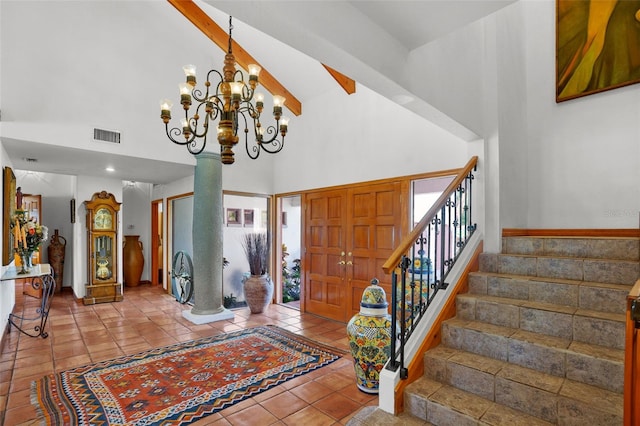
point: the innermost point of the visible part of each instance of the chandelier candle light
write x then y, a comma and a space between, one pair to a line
230, 104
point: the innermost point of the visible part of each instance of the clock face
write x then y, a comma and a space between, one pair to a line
103, 219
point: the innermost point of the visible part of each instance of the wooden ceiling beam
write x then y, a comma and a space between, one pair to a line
215, 33
345, 82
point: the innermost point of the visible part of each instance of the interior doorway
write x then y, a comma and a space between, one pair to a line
290, 228
157, 238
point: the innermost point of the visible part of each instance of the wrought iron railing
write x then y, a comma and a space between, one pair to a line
421, 263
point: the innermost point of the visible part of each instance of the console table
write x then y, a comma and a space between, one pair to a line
41, 279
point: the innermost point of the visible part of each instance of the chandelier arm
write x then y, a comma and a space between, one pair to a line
190, 143
192, 147
174, 133
220, 77
273, 145
198, 96
253, 151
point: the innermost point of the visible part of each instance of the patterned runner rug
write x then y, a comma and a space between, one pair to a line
178, 384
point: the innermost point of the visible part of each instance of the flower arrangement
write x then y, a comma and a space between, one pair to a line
27, 234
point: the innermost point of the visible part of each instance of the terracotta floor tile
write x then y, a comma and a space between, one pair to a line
309, 416
284, 404
311, 391
254, 415
336, 406
148, 318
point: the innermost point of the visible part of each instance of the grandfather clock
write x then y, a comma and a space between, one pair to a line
102, 249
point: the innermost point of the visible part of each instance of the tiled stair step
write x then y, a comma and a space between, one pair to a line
582, 325
596, 248
441, 404
582, 362
501, 382
583, 294
572, 404
581, 269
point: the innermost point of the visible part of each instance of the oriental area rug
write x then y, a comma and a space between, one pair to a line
178, 384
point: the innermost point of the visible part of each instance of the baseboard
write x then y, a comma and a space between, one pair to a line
594, 233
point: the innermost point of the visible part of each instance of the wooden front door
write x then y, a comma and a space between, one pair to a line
373, 231
325, 289
349, 234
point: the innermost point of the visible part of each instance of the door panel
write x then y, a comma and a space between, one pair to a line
324, 240
373, 229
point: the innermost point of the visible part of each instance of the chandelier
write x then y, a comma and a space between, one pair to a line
232, 105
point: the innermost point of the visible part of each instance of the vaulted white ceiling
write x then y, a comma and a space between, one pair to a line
368, 41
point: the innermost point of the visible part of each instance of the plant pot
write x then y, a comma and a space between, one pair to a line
133, 260
258, 291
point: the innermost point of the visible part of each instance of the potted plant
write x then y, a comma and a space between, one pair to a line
258, 288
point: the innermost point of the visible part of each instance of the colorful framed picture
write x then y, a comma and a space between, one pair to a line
9, 208
233, 217
248, 217
597, 47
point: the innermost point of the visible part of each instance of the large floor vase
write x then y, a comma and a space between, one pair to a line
258, 291
56, 258
133, 260
369, 334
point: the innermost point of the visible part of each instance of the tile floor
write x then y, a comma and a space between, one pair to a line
148, 318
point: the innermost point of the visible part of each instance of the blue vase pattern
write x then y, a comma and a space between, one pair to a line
370, 338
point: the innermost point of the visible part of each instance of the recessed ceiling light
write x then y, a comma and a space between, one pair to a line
110, 169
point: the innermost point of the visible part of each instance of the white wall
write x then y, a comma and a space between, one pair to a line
543, 165
136, 218
583, 154
56, 191
344, 139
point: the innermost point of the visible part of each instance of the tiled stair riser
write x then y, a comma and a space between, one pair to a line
587, 295
553, 356
594, 248
564, 323
602, 271
598, 372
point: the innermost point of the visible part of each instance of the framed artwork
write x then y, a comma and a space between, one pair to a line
72, 210
263, 218
9, 207
233, 217
248, 217
597, 47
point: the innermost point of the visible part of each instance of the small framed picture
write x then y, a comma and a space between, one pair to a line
233, 217
263, 218
248, 217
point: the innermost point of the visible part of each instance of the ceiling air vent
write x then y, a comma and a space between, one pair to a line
103, 135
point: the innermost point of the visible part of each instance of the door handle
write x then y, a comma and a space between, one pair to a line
349, 263
342, 262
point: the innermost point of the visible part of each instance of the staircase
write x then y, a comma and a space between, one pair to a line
538, 340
